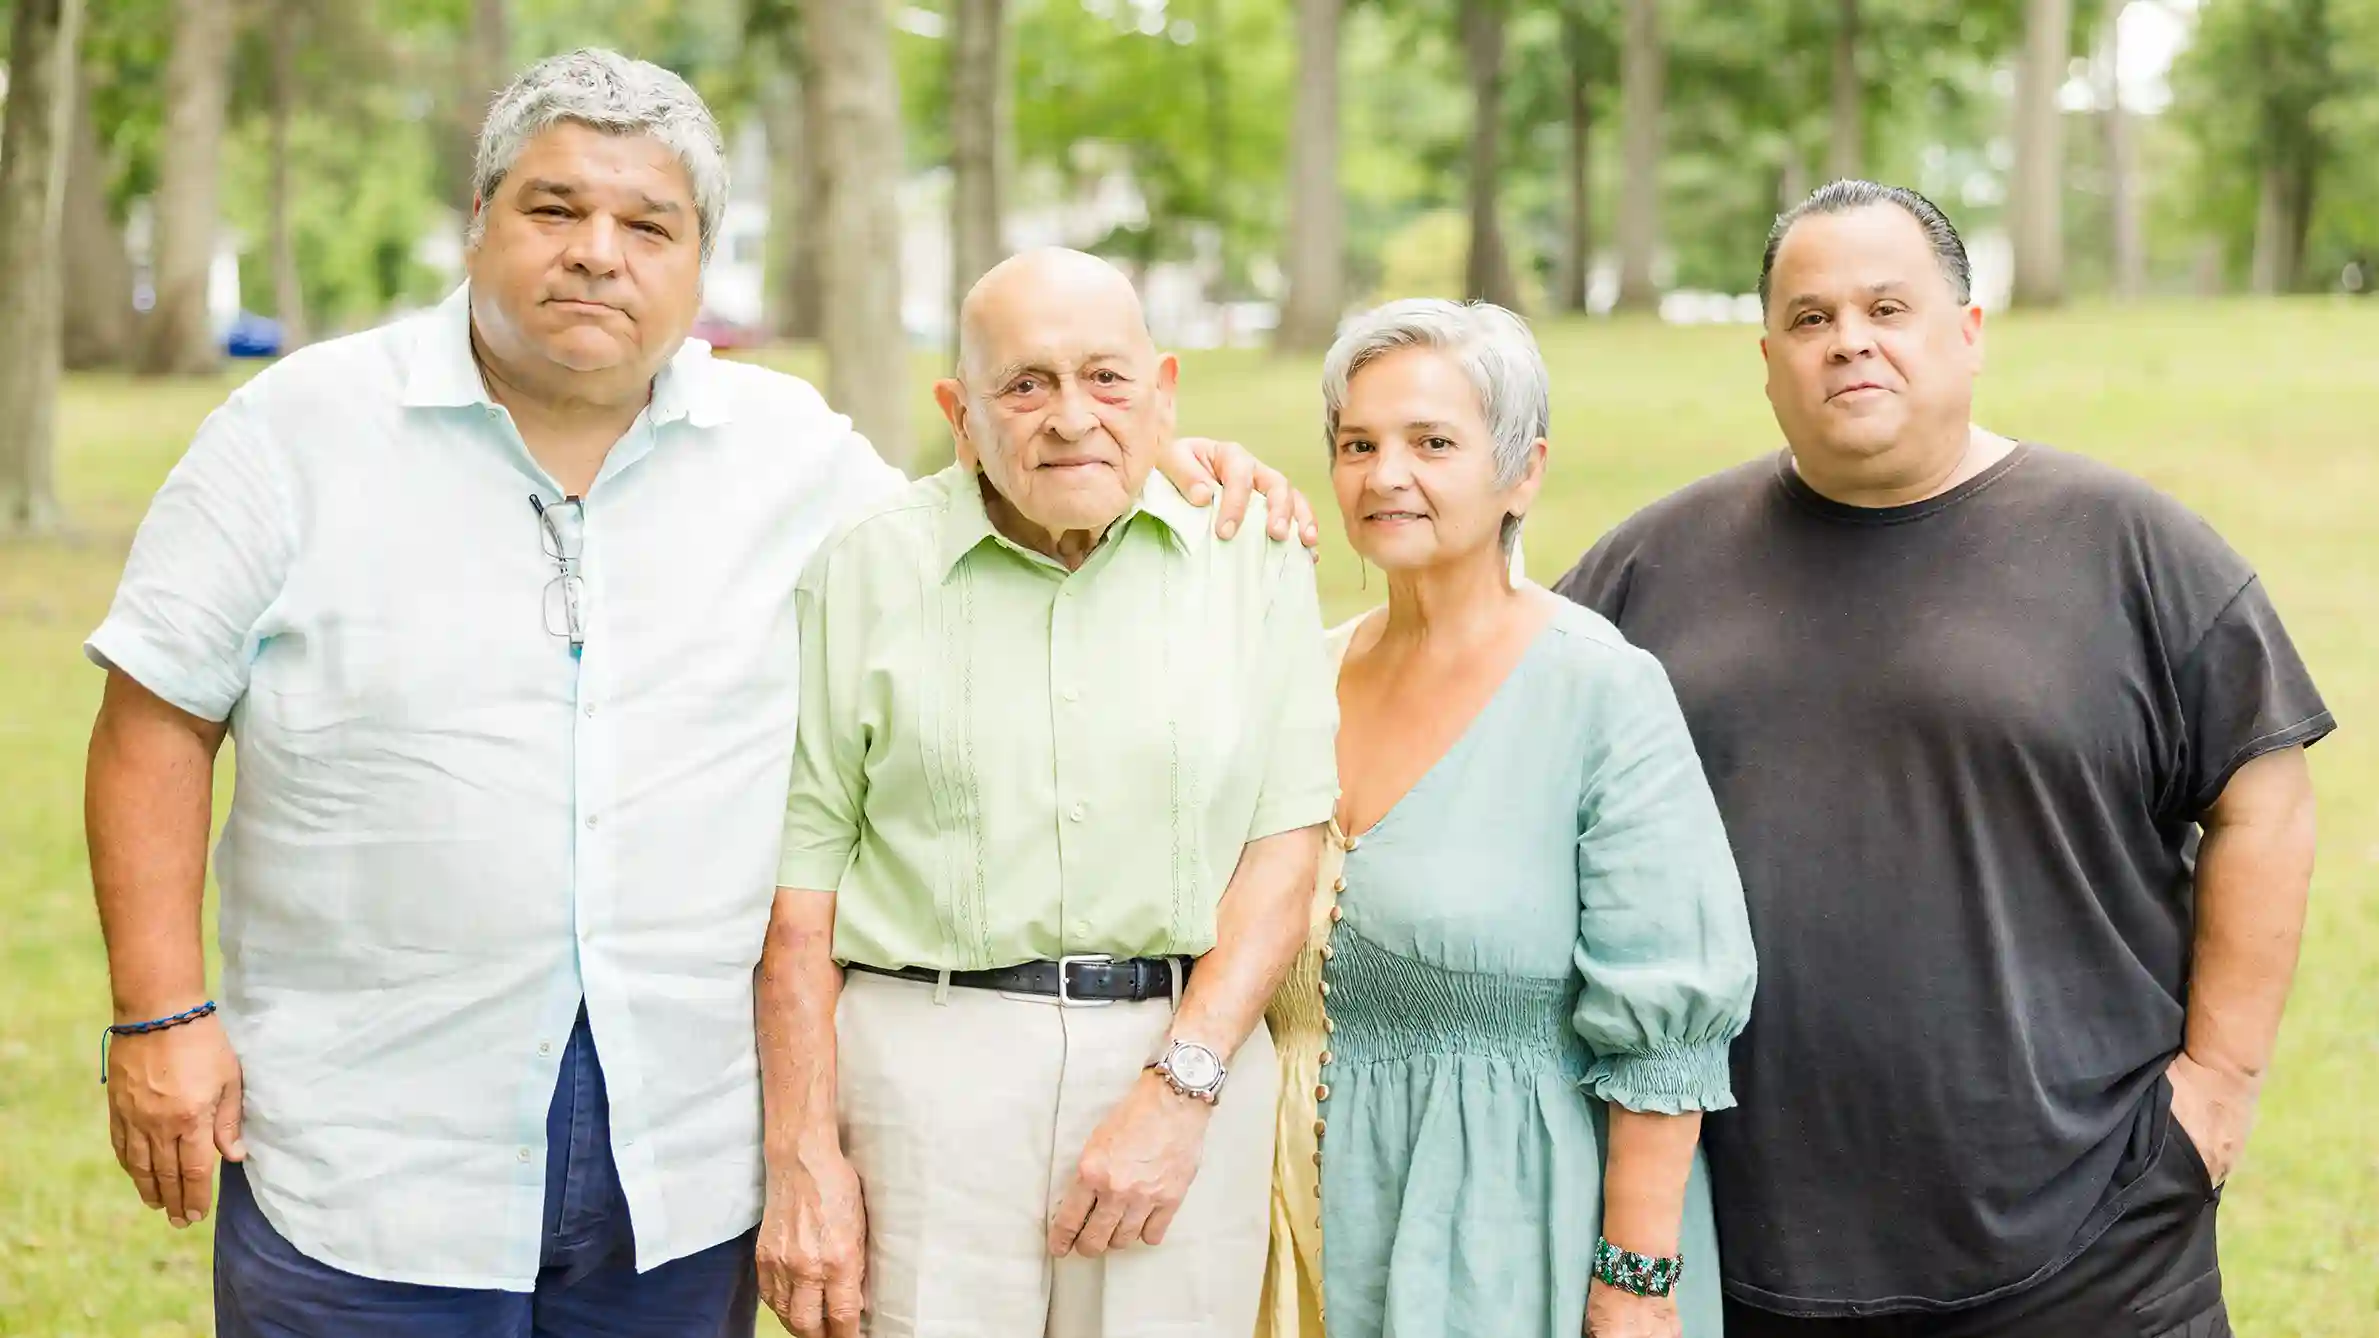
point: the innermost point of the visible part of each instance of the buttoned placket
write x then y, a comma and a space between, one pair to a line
1065, 668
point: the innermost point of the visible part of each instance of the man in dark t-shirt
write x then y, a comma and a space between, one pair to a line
2010, 748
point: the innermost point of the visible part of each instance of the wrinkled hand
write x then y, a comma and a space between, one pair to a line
1612, 1313
812, 1252
2215, 1110
173, 1103
1134, 1173
1197, 464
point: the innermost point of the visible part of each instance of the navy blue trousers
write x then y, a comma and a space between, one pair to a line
587, 1287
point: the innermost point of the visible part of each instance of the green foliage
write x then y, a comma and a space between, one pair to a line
2283, 82
1188, 96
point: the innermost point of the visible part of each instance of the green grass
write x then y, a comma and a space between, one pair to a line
2264, 417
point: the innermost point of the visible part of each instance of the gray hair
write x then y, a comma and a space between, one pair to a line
606, 91
1841, 197
1493, 348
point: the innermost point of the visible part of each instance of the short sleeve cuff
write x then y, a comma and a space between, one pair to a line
1307, 806
1668, 1081
116, 646
814, 868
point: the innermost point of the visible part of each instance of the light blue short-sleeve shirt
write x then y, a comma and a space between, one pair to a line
449, 830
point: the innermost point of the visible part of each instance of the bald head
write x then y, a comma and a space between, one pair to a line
1041, 297
1061, 402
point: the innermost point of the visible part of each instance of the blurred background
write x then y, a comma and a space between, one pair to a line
2173, 207
240, 176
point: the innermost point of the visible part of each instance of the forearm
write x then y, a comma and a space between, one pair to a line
2253, 876
148, 804
1648, 1162
794, 993
1259, 927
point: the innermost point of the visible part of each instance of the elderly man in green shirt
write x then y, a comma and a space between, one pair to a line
1063, 763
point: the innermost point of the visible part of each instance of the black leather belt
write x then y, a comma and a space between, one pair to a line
1069, 980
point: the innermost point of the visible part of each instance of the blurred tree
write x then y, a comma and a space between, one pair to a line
178, 337
858, 214
1488, 275
981, 76
287, 28
2037, 192
98, 302
1117, 92
1315, 254
2128, 256
1643, 74
1846, 140
2273, 93
1586, 63
42, 67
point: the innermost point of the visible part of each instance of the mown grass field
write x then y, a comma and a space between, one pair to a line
2263, 417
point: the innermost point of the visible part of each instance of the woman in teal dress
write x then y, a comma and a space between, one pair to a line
1540, 951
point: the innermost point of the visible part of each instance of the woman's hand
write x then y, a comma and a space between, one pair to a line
1612, 1313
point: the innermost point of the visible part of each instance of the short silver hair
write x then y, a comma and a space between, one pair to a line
609, 92
1493, 348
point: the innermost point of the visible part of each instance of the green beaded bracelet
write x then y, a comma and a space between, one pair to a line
1639, 1274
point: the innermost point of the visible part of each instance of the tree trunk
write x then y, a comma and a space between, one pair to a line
790, 286
2283, 217
289, 303
179, 336
1846, 150
1316, 251
33, 152
491, 58
858, 212
483, 71
98, 320
2035, 196
1488, 276
2267, 272
1216, 76
978, 72
1576, 270
2129, 254
1643, 70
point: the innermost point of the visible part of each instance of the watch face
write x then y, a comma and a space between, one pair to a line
1195, 1066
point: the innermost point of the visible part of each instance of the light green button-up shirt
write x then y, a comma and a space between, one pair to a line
1001, 761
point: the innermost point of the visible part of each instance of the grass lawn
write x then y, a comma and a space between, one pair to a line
2263, 417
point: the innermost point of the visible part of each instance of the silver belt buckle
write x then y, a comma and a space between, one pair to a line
1065, 998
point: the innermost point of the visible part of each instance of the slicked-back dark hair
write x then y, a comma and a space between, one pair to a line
1841, 197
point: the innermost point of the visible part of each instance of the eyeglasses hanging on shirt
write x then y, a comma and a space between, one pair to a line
562, 529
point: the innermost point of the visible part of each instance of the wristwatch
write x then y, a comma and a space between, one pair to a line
1191, 1069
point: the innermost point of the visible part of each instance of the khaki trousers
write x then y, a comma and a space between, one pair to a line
965, 1112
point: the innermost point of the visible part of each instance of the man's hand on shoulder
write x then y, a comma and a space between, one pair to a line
1198, 465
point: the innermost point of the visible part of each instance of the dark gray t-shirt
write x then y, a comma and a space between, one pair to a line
1961, 747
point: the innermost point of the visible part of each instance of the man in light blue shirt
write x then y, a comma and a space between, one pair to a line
497, 604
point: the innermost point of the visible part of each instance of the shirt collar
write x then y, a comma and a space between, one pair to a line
966, 526
441, 373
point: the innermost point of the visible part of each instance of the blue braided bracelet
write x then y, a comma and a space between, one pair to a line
1639, 1274
116, 1029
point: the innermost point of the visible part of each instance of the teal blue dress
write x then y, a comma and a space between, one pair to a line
1550, 920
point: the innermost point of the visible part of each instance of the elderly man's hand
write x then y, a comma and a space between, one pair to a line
173, 1102
1134, 1172
812, 1252
1197, 464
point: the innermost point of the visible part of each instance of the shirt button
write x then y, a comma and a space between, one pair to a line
1071, 694
590, 822
1081, 929
1078, 811
523, 1154
590, 710
545, 1047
